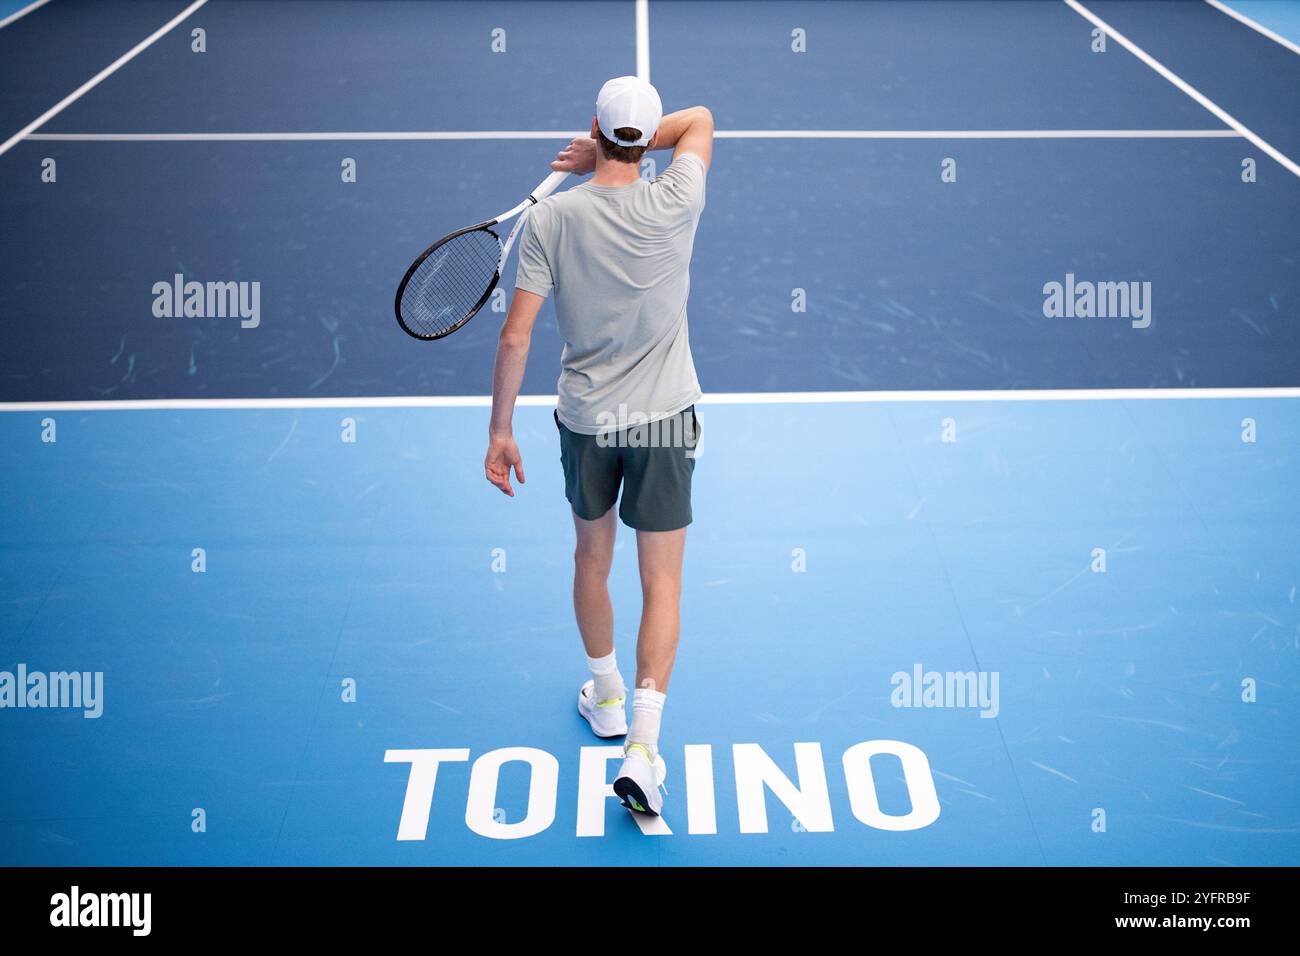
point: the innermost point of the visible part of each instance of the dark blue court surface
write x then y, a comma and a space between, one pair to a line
320, 637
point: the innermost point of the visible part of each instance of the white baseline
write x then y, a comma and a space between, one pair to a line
716, 398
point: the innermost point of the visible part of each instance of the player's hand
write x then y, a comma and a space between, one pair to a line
502, 455
579, 157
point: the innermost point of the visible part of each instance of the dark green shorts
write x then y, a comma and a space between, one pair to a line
653, 464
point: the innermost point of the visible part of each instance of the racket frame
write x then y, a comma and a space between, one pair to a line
486, 226
544, 189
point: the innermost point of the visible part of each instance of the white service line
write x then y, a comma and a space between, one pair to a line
976, 134
1257, 27
304, 137
717, 398
719, 134
22, 13
96, 79
643, 39
1183, 85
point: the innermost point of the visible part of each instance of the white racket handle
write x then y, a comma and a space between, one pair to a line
548, 186
544, 189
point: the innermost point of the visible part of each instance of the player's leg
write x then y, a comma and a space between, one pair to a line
602, 699
657, 503
592, 558
592, 475
659, 556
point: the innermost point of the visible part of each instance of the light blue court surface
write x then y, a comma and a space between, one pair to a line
1280, 16
390, 563
295, 629
10, 7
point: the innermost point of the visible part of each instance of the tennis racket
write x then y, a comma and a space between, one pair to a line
447, 285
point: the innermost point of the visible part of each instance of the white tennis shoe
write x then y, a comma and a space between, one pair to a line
608, 718
640, 779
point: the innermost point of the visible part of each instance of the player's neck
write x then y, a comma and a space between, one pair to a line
610, 173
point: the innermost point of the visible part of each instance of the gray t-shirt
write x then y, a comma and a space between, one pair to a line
618, 258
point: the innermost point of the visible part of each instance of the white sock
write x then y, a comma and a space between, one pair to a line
609, 682
647, 709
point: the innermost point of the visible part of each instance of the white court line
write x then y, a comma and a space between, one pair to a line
306, 137
1183, 85
97, 79
719, 134
22, 13
718, 398
977, 134
1242, 18
643, 39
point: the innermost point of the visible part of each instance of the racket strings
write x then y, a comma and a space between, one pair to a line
448, 285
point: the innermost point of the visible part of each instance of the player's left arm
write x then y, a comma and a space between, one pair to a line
507, 378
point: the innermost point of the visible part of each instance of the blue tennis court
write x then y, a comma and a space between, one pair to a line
969, 582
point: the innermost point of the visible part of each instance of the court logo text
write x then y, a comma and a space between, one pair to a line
696, 776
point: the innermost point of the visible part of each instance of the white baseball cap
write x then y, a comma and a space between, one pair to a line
627, 101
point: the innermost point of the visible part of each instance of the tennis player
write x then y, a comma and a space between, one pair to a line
616, 251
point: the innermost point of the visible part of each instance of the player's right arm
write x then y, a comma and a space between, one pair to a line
687, 131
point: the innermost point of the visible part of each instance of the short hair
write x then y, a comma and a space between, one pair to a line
621, 154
